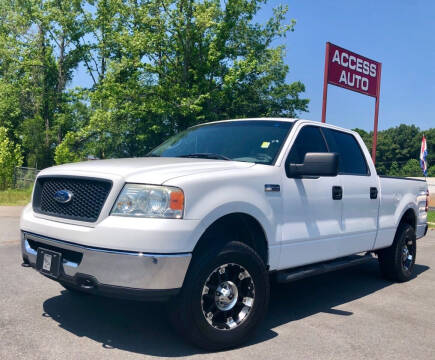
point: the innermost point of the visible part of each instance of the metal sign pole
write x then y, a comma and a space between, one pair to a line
325, 83
375, 130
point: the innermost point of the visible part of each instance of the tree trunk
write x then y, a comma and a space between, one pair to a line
43, 82
61, 81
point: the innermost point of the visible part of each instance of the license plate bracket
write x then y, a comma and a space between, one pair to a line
48, 262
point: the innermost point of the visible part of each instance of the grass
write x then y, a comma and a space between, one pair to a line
431, 218
15, 196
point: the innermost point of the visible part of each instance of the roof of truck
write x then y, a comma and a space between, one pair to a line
259, 118
292, 120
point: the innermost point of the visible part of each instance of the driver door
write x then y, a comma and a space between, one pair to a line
311, 217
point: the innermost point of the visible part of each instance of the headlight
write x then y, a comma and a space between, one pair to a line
150, 201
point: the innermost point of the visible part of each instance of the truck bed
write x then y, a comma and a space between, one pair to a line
394, 194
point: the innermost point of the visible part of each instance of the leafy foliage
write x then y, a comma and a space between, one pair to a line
10, 157
173, 64
398, 150
156, 68
38, 56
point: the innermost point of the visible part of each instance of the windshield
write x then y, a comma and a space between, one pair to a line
251, 141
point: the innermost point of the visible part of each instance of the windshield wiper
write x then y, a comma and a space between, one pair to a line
206, 156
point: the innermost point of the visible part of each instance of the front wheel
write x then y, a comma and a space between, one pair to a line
397, 261
224, 298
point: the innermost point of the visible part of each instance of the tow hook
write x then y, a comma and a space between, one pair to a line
86, 282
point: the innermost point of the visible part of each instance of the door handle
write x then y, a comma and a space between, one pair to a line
337, 192
373, 193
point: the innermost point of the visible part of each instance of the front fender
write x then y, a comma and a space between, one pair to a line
266, 223
209, 197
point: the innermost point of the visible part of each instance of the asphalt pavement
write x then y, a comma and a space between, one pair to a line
349, 314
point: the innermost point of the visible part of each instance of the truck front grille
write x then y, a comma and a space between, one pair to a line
88, 197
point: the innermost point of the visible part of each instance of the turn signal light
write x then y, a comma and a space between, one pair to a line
176, 200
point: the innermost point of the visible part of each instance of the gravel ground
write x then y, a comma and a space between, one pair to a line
349, 314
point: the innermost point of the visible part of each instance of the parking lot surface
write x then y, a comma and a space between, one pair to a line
348, 314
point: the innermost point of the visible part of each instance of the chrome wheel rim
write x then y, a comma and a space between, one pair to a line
407, 255
227, 296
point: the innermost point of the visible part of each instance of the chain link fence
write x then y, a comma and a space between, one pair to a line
24, 177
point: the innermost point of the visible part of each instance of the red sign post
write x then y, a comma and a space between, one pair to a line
354, 72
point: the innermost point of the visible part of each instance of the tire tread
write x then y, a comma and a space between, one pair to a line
180, 307
389, 258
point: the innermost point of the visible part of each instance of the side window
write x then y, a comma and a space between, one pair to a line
309, 139
352, 160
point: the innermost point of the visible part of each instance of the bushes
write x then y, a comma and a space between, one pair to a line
410, 168
10, 157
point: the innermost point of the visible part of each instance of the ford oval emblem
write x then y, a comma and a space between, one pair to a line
63, 196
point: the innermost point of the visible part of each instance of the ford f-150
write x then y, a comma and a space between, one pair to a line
209, 217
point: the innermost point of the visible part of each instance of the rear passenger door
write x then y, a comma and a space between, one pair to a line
360, 203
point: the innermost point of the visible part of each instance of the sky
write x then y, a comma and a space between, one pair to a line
399, 34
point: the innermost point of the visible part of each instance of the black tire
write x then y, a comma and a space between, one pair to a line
397, 261
188, 310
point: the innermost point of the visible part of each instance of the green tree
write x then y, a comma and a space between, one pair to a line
411, 168
10, 157
167, 65
367, 138
38, 55
398, 144
394, 169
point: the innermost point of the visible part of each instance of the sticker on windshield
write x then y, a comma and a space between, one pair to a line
265, 144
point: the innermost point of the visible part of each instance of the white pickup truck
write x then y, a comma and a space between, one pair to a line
209, 217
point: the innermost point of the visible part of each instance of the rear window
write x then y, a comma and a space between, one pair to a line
352, 160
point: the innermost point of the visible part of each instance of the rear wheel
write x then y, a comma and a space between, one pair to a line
224, 298
397, 261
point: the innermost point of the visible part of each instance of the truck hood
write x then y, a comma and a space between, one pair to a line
151, 170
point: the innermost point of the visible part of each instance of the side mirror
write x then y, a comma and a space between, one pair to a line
315, 164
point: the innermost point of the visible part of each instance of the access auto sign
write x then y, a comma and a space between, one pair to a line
352, 71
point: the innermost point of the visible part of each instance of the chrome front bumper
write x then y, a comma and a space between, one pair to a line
421, 230
111, 269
